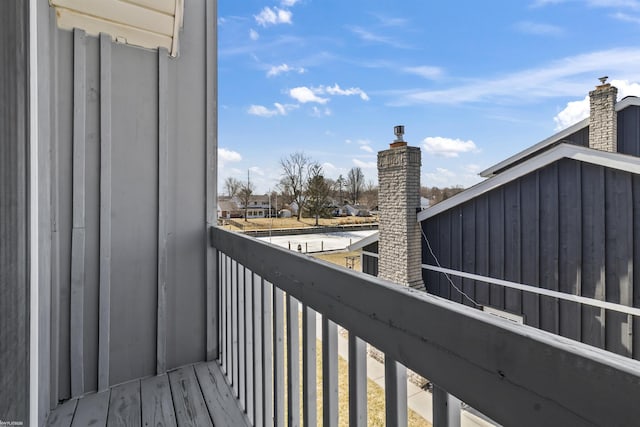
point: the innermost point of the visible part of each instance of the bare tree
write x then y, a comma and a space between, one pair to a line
245, 192
232, 186
355, 184
295, 176
318, 191
339, 188
370, 194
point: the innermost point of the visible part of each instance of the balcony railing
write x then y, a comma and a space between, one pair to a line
514, 374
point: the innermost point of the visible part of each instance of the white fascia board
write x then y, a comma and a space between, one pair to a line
558, 137
623, 162
364, 242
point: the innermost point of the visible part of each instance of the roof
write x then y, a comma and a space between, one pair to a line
372, 238
617, 161
553, 139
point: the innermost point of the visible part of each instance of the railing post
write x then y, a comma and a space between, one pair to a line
395, 390
446, 408
278, 353
293, 362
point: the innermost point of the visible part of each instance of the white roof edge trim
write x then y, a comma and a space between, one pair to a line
626, 102
364, 242
623, 162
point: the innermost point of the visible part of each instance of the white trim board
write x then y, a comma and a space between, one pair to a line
558, 137
617, 161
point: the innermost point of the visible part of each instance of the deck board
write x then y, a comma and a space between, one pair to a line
157, 404
187, 398
124, 405
92, 410
62, 416
222, 405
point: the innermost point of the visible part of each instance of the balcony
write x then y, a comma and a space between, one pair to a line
263, 374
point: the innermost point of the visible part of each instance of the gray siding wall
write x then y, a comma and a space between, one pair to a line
629, 131
370, 263
14, 139
570, 227
132, 176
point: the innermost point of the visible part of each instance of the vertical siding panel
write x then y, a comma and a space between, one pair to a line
570, 245
530, 195
78, 233
512, 250
482, 248
468, 248
496, 246
455, 243
432, 234
635, 289
14, 284
629, 131
549, 246
105, 212
619, 261
593, 253
443, 253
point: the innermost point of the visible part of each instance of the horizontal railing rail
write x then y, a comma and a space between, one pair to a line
515, 374
634, 311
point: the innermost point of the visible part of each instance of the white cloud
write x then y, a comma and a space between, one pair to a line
253, 34
336, 90
578, 110
365, 165
368, 36
365, 145
565, 77
257, 170
289, 3
284, 68
538, 29
279, 110
425, 71
630, 4
447, 147
304, 94
268, 16
626, 18
227, 156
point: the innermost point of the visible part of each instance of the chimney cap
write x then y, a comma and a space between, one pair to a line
399, 132
603, 79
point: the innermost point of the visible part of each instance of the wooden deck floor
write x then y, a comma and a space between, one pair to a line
194, 395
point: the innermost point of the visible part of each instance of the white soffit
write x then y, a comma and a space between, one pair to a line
147, 23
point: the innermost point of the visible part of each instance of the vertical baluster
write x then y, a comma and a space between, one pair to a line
446, 408
234, 327
278, 352
222, 312
229, 316
249, 348
309, 392
357, 381
330, 410
293, 362
267, 352
258, 388
242, 335
395, 383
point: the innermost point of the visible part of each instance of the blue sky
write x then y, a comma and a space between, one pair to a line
473, 82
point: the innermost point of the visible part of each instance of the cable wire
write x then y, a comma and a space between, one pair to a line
445, 274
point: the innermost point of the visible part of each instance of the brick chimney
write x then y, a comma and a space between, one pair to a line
603, 121
400, 241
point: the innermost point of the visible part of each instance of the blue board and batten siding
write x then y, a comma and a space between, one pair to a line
14, 278
132, 143
571, 227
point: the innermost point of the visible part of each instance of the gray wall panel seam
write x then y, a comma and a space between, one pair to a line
78, 232
105, 212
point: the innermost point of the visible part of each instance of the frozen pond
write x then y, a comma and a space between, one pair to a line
321, 242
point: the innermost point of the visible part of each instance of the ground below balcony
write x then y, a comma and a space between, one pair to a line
195, 395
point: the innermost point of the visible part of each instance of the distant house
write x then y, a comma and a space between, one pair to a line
228, 208
259, 206
354, 210
562, 215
